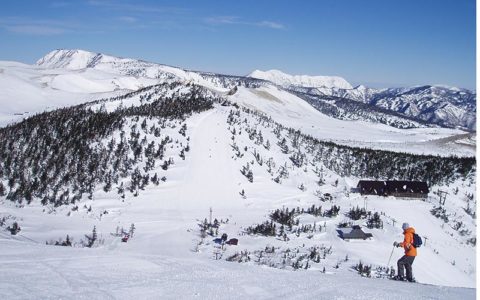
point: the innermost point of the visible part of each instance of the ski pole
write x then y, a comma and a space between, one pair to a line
388, 264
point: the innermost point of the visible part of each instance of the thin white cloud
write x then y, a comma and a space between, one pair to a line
223, 20
128, 19
35, 29
41, 27
233, 20
273, 25
134, 7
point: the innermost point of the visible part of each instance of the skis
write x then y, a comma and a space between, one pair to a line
402, 279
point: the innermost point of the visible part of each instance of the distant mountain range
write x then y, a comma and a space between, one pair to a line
429, 104
399, 107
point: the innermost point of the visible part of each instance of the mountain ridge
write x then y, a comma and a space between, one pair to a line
436, 104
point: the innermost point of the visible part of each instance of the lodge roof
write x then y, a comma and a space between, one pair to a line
355, 233
391, 187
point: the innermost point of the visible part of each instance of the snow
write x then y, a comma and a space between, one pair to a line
102, 274
294, 112
69, 59
285, 80
166, 258
81, 60
26, 90
160, 261
68, 77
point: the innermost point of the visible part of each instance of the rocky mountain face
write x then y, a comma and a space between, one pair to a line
430, 104
445, 106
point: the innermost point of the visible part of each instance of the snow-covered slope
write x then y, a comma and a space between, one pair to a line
26, 89
129, 274
84, 76
161, 156
168, 256
69, 77
162, 149
293, 111
287, 80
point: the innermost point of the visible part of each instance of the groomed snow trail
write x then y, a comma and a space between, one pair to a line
43, 272
210, 176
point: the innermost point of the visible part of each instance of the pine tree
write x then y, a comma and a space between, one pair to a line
155, 179
67, 242
91, 238
14, 229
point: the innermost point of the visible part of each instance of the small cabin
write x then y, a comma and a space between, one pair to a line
232, 242
401, 189
356, 233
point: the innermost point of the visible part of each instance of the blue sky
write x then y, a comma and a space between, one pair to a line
373, 42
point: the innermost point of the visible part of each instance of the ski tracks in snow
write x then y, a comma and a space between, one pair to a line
208, 164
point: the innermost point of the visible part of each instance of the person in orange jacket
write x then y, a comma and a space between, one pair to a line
406, 261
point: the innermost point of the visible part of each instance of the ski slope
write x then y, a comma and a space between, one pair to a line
164, 258
34, 272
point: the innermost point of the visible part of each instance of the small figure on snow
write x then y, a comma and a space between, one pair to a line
406, 261
224, 237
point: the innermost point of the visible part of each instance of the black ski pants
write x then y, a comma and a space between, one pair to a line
405, 262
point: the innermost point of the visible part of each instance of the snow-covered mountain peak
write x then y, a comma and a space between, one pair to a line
118, 66
76, 59
361, 87
69, 59
283, 79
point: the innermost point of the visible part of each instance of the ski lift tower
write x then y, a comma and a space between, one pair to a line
443, 196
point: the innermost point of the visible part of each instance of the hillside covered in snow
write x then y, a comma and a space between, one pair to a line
66, 77
127, 190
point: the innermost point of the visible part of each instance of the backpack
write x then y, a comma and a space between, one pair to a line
417, 240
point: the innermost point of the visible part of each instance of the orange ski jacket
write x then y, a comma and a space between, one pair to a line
407, 243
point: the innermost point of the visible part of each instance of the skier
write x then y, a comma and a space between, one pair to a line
224, 237
406, 261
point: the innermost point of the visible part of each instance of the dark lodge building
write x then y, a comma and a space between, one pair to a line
407, 189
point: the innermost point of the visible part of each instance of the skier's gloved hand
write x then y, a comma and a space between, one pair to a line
395, 244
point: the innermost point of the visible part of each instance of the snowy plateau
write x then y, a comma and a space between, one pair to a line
118, 178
